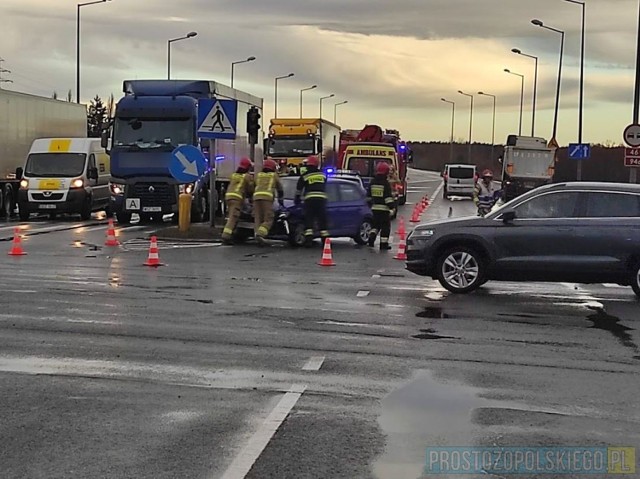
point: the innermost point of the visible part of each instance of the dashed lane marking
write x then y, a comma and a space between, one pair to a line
243, 463
140, 244
362, 293
314, 363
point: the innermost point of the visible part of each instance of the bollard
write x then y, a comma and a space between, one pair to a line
184, 212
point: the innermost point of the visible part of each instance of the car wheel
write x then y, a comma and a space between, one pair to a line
296, 237
460, 270
635, 280
123, 218
363, 232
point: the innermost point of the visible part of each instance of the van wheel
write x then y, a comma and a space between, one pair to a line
635, 279
7, 203
123, 218
85, 212
23, 212
403, 200
296, 237
461, 269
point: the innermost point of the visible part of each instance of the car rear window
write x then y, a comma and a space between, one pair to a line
461, 172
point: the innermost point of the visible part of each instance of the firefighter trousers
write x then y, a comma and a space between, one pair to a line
315, 211
382, 225
263, 214
234, 207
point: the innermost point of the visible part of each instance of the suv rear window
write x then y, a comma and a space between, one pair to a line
461, 172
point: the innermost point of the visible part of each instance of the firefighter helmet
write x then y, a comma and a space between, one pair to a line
269, 165
383, 168
245, 164
313, 161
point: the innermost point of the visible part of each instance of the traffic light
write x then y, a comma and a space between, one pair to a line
253, 124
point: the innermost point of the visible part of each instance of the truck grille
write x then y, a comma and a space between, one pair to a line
51, 197
153, 194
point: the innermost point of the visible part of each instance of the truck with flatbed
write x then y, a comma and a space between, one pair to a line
23, 119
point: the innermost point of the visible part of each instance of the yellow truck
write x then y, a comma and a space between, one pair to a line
291, 140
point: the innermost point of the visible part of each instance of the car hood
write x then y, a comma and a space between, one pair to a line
452, 222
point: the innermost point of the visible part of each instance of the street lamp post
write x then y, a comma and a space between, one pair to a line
636, 95
493, 129
275, 99
169, 42
581, 107
470, 120
453, 120
78, 44
538, 23
335, 110
233, 64
521, 96
535, 89
324, 98
312, 87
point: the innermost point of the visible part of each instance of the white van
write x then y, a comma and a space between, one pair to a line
65, 175
459, 180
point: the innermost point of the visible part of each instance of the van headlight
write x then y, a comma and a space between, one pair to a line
116, 188
187, 188
78, 183
24, 184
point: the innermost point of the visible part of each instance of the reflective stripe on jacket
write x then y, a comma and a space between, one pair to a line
312, 184
239, 187
266, 184
484, 196
379, 191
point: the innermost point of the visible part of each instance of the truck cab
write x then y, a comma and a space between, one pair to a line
64, 175
292, 140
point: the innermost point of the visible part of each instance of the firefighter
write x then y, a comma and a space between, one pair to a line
382, 204
312, 184
485, 194
303, 168
267, 182
240, 187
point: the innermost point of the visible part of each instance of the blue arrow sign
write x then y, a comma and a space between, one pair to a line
579, 151
187, 164
217, 118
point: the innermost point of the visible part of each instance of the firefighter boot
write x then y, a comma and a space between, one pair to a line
372, 238
384, 246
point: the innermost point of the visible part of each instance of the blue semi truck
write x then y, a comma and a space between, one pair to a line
151, 120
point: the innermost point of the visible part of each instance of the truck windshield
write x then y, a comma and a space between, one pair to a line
531, 163
55, 165
294, 146
145, 133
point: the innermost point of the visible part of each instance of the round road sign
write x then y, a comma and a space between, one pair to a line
632, 135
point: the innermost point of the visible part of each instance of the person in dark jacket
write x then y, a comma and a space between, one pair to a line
312, 184
383, 205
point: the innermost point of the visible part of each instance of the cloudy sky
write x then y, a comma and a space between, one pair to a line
392, 60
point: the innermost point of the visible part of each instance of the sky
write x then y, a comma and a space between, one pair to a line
391, 60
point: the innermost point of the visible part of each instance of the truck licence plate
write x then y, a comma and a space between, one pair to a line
47, 207
151, 209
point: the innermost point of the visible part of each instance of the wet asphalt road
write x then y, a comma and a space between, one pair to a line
255, 362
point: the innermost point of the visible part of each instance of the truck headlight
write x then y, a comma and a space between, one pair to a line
24, 184
116, 188
78, 183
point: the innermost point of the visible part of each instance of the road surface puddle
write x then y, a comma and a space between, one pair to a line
606, 322
421, 414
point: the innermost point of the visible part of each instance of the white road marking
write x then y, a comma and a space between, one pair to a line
243, 463
438, 190
613, 285
362, 293
314, 363
375, 276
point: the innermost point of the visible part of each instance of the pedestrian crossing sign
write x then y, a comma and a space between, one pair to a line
217, 118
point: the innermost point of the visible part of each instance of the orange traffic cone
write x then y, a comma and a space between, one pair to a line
154, 259
401, 231
111, 235
415, 216
16, 248
402, 250
327, 258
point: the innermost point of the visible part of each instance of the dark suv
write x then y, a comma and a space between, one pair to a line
569, 232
